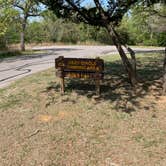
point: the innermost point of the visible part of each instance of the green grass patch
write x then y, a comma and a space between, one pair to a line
8, 54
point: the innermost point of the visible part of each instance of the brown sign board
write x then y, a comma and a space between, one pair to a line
80, 65
79, 68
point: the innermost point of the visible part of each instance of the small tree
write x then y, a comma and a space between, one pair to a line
7, 16
26, 9
103, 13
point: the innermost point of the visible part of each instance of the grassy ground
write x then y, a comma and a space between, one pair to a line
13, 53
125, 127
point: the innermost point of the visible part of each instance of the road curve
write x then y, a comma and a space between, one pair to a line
14, 68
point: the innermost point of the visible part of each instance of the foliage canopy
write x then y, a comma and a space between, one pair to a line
98, 13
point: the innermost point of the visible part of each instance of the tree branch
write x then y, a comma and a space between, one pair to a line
33, 15
100, 8
77, 10
83, 12
18, 6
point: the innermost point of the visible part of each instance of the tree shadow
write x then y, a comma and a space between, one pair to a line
115, 87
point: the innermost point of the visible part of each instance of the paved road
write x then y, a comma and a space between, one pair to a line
14, 68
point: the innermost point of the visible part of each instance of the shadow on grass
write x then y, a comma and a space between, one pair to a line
116, 88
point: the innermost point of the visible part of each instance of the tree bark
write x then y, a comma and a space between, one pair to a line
131, 52
22, 36
164, 75
130, 67
133, 59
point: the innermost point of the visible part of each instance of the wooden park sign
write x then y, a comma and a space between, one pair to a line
80, 68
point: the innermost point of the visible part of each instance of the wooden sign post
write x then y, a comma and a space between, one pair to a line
80, 68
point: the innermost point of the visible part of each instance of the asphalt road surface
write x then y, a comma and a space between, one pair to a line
14, 68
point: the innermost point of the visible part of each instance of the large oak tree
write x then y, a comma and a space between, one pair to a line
102, 13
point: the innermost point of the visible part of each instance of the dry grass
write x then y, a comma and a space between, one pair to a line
14, 53
125, 127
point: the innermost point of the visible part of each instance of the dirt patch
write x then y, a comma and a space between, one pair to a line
45, 118
61, 115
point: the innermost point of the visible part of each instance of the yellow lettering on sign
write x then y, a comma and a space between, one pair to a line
79, 62
90, 65
78, 75
77, 67
73, 62
93, 68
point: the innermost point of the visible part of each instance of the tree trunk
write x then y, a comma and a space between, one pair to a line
130, 67
22, 36
133, 59
164, 75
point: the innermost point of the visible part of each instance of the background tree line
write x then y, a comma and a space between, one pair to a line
136, 28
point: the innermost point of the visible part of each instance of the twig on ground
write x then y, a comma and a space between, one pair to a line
34, 133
